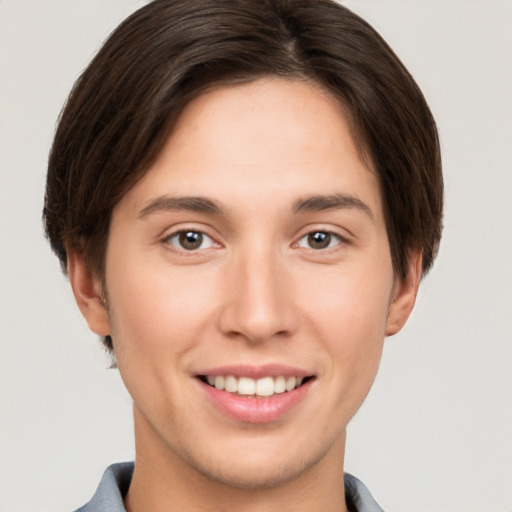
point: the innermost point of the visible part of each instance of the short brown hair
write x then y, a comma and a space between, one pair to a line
123, 106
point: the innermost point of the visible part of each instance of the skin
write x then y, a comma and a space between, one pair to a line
256, 292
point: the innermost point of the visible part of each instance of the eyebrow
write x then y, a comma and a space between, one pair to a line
169, 203
204, 205
330, 202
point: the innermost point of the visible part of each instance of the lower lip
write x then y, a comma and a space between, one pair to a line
256, 410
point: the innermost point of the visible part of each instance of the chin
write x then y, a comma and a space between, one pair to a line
258, 469
255, 477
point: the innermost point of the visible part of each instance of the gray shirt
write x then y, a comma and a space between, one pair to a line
116, 480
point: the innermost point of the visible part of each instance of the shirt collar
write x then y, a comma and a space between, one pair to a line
116, 480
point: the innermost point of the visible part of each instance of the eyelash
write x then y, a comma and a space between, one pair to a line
199, 238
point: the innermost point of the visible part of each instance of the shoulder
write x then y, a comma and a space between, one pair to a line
358, 496
111, 490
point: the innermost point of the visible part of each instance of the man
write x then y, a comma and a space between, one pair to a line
245, 196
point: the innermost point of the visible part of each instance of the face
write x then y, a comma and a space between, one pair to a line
250, 285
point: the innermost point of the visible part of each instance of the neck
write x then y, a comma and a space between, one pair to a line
164, 482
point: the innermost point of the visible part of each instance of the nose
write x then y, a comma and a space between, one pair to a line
259, 300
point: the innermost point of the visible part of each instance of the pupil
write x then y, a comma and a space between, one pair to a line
319, 240
191, 240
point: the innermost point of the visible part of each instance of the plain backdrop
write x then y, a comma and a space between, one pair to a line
434, 435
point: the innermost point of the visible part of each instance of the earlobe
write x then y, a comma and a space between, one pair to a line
404, 296
88, 294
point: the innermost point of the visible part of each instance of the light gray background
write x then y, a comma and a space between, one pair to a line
436, 432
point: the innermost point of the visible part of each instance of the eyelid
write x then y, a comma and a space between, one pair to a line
342, 234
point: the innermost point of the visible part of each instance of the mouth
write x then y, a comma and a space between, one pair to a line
256, 394
248, 387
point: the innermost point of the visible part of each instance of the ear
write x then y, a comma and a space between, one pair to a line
404, 295
88, 293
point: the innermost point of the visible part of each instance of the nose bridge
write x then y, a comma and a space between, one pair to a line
260, 305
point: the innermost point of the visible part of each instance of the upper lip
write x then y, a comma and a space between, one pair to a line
256, 372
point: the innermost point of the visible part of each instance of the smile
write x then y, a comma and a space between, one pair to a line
249, 387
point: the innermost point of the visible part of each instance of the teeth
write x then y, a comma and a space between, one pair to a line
231, 384
266, 386
246, 386
280, 385
219, 382
290, 383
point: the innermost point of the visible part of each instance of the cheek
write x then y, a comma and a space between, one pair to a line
155, 307
350, 302
159, 318
350, 314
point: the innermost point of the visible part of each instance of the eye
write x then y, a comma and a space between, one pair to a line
190, 240
319, 240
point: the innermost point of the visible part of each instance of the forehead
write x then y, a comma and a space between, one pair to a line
270, 110
272, 137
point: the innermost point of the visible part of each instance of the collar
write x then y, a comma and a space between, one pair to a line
116, 481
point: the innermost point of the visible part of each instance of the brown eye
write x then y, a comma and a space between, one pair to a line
319, 240
190, 240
